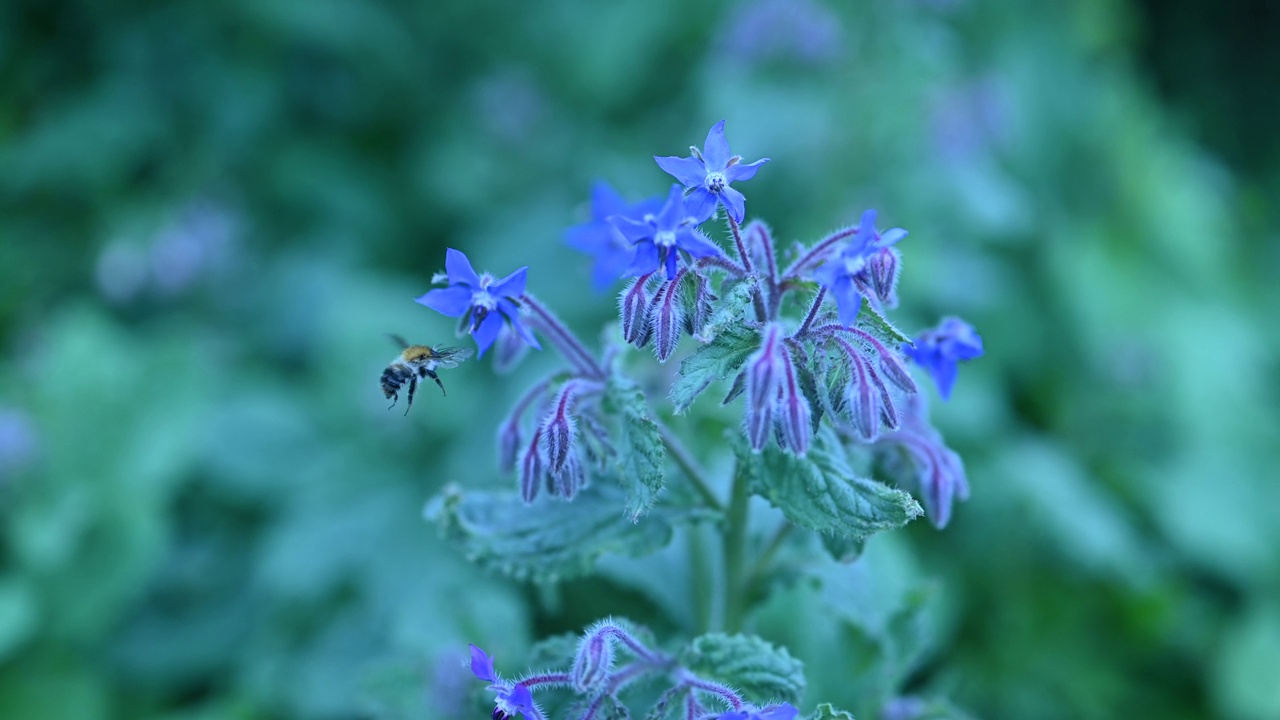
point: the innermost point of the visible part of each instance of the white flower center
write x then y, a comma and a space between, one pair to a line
716, 181
482, 298
854, 265
664, 238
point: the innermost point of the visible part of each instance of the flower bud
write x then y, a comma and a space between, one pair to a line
569, 480
699, 304
884, 268
794, 411
634, 307
558, 429
508, 446
531, 469
764, 376
665, 318
593, 662
862, 403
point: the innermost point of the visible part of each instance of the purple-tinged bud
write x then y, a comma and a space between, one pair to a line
593, 662
884, 268
509, 349
765, 371
794, 411
558, 429
531, 469
664, 318
932, 469
891, 362
866, 417
569, 480
595, 446
508, 446
700, 303
634, 306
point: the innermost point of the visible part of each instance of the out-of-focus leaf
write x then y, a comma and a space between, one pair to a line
759, 670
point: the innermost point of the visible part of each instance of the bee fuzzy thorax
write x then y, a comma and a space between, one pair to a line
418, 353
417, 362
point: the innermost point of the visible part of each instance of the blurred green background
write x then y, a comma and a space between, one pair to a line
210, 214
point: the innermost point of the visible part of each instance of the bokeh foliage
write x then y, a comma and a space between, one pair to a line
210, 213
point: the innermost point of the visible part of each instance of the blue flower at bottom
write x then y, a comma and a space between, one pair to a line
602, 240
658, 237
940, 349
511, 699
844, 274
487, 306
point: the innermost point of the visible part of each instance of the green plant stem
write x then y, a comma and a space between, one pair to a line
702, 588
689, 467
762, 563
735, 554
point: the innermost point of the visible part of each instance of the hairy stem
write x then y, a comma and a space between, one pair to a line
565, 341
743, 255
813, 312
817, 251
689, 467
735, 554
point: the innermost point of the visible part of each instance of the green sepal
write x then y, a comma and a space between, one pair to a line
717, 360
826, 711
731, 310
761, 672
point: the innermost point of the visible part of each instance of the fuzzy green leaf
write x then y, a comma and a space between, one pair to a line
762, 672
820, 492
551, 539
731, 310
719, 359
641, 454
876, 324
825, 711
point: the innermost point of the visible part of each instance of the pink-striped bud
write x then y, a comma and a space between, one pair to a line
558, 429
531, 469
794, 414
634, 306
884, 268
508, 446
665, 317
765, 372
699, 303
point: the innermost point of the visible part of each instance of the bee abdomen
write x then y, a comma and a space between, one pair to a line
392, 378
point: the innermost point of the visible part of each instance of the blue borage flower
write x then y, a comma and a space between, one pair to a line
487, 306
939, 350
512, 698
657, 238
602, 240
708, 173
866, 265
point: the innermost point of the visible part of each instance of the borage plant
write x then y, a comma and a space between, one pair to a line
824, 387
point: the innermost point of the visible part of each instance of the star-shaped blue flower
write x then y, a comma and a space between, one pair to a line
512, 699
708, 173
657, 238
602, 240
489, 305
940, 349
843, 275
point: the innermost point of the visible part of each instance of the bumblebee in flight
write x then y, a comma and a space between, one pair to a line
414, 362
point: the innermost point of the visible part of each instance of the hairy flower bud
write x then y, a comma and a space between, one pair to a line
765, 372
593, 661
794, 413
665, 318
916, 455
634, 306
531, 469
569, 480
508, 446
884, 268
862, 403
699, 302
558, 429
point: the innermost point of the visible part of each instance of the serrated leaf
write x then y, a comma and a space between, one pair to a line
876, 324
760, 671
550, 539
730, 310
826, 711
843, 549
639, 444
820, 492
717, 360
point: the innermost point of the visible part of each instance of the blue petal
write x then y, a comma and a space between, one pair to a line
609, 267
512, 314
672, 259
606, 201
867, 227
511, 285
743, 171
848, 300
701, 205
696, 244
459, 268
521, 698
590, 238
891, 237
482, 665
673, 210
715, 151
645, 260
943, 371
632, 230
487, 332
734, 203
785, 711
451, 301
689, 171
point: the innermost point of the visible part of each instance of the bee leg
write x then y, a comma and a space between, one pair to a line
395, 398
432, 374
413, 385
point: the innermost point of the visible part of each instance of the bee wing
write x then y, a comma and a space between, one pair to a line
398, 340
449, 357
